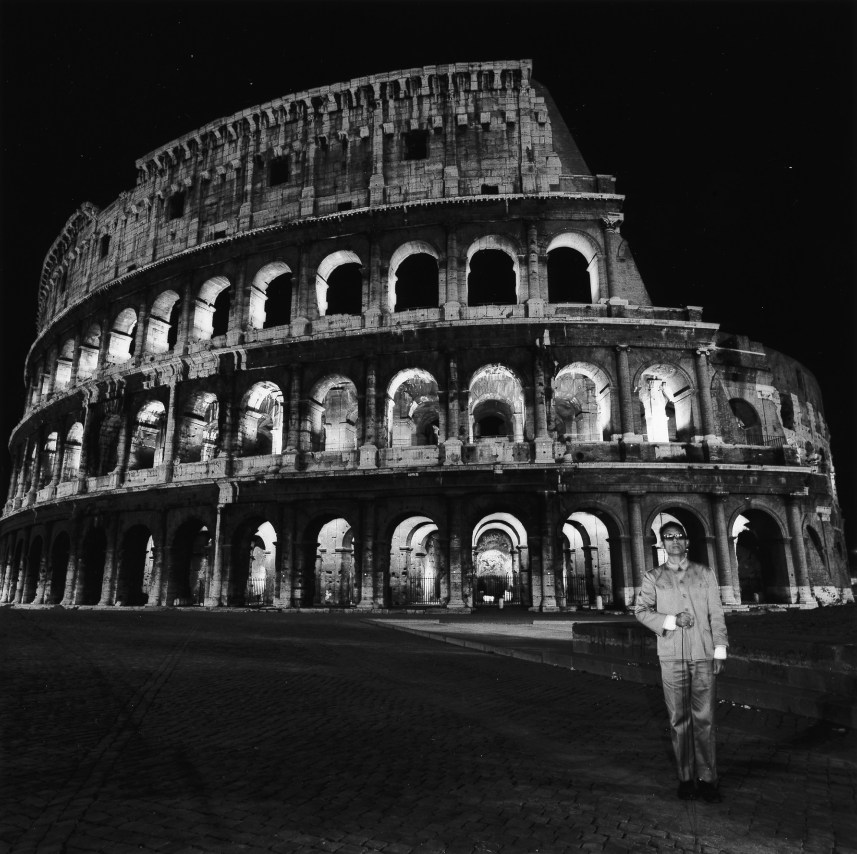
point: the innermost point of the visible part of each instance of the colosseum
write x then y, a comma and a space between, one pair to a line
382, 345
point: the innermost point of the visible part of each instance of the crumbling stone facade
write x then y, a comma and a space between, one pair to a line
382, 345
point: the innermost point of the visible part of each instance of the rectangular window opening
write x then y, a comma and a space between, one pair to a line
278, 171
490, 189
104, 246
416, 145
175, 206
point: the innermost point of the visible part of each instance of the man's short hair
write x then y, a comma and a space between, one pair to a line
666, 525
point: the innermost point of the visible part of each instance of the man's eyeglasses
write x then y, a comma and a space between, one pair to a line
673, 537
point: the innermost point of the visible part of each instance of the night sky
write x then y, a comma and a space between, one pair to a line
729, 126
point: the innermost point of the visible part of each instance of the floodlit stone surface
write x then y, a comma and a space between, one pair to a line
382, 345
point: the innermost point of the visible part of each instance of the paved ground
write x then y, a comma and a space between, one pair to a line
166, 731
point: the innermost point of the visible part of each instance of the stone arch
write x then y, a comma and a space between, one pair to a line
71, 452
496, 405
211, 310
147, 436
191, 555
261, 430
418, 573
585, 288
122, 331
746, 427
271, 296
412, 409
490, 280
90, 570
333, 415
87, 362
199, 429
759, 550
344, 283
592, 560
48, 459
134, 567
330, 555
666, 395
581, 403
163, 325
62, 368
413, 280
252, 573
500, 565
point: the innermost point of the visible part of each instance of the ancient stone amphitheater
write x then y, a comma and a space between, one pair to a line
381, 344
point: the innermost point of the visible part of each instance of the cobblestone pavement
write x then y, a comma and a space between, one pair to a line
167, 731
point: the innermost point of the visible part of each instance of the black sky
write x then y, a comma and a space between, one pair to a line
730, 128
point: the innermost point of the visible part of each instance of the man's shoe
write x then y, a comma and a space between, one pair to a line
709, 792
686, 790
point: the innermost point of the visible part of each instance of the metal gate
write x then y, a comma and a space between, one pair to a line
492, 589
423, 591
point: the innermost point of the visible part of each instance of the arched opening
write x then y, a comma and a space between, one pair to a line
333, 415
262, 420
163, 323
253, 576
760, 555
417, 567
568, 276
190, 565
696, 549
211, 313
88, 360
62, 368
200, 431
31, 571
414, 280
271, 296
121, 346
134, 572
339, 284
496, 405
500, 567
591, 561
581, 403
345, 290
91, 566
492, 278
71, 452
335, 579
147, 437
48, 460
412, 409
747, 428
58, 569
665, 395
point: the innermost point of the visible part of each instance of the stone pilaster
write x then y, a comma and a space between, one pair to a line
703, 381
730, 585
804, 591
638, 543
626, 411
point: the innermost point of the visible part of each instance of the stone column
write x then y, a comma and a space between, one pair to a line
543, 442
104, 343
83, 463
370, 592
452, 303
534, 297
58, 457
548, 550
453, 516
184, 332
285, 556
8, 570
374, 306
369, 450
216, 595
68, 598
638, 553
612, 240
170, 434
36, 468
122, 451
804, 591
730, 585
75, 361
703, 381
108, 579
626, 411
293, 435
140, 332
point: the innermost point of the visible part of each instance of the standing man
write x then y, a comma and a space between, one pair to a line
680, 602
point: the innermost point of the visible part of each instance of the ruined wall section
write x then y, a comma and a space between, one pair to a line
410, 136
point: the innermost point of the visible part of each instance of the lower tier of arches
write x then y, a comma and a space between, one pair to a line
232, 544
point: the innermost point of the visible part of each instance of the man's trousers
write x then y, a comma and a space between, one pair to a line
689, 691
